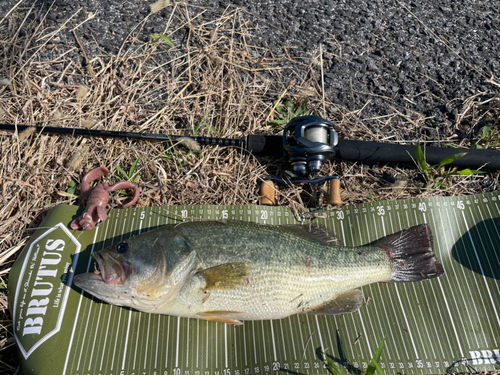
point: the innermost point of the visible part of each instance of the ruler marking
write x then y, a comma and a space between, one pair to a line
147, 341
168, 336
484, 277
186, 339
274, 343
319, 333
157, 340
245, 345
446, 301
235, 347
455, 273
263, 341
225, 346
466, 281
283, 338
177, 341
197, 340
293, 339
95, 337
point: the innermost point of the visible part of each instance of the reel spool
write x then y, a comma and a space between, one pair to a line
308, 141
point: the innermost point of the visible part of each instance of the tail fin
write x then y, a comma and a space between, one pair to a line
411, 253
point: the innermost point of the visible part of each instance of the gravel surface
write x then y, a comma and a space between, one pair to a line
422, 60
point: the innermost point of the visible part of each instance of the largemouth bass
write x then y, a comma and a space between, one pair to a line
233, 271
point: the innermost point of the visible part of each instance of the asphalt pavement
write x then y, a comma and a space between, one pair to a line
383, 56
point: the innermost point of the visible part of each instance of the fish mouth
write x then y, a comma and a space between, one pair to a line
112, 270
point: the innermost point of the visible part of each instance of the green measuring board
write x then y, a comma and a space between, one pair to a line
449, 324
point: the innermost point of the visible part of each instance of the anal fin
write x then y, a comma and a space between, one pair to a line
220, 317
347, 302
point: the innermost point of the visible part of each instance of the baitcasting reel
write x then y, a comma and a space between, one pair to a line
308, 142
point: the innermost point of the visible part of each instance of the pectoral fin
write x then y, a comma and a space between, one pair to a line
344, 303
220, 317
225, 276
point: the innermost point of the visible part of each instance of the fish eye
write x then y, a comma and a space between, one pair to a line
122, 247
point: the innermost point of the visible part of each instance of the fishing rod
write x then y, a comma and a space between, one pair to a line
308, 141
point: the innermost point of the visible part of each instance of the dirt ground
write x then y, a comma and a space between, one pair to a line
214, 87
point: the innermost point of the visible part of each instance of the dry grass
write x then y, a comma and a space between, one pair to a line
217, 82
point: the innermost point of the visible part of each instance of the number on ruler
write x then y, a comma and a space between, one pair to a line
266, 368
184, 213
225, 214
380, 211
143, 214
340, 215
227, 371
461, 205
422, 207
276, 366
420, 363
177, 371
263, 215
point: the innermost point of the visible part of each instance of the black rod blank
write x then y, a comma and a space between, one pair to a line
265, 145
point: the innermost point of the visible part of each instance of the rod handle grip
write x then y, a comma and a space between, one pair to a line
334, 193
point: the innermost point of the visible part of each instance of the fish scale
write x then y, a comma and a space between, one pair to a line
232, 271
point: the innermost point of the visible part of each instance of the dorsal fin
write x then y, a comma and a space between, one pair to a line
309, 232
312, 233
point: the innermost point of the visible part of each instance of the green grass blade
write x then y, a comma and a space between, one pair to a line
332, 367
486, 131
122, 171
213, 130
420, 158
375, 362
167, 39
278, 108
469, 172
133, 167
450, 159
